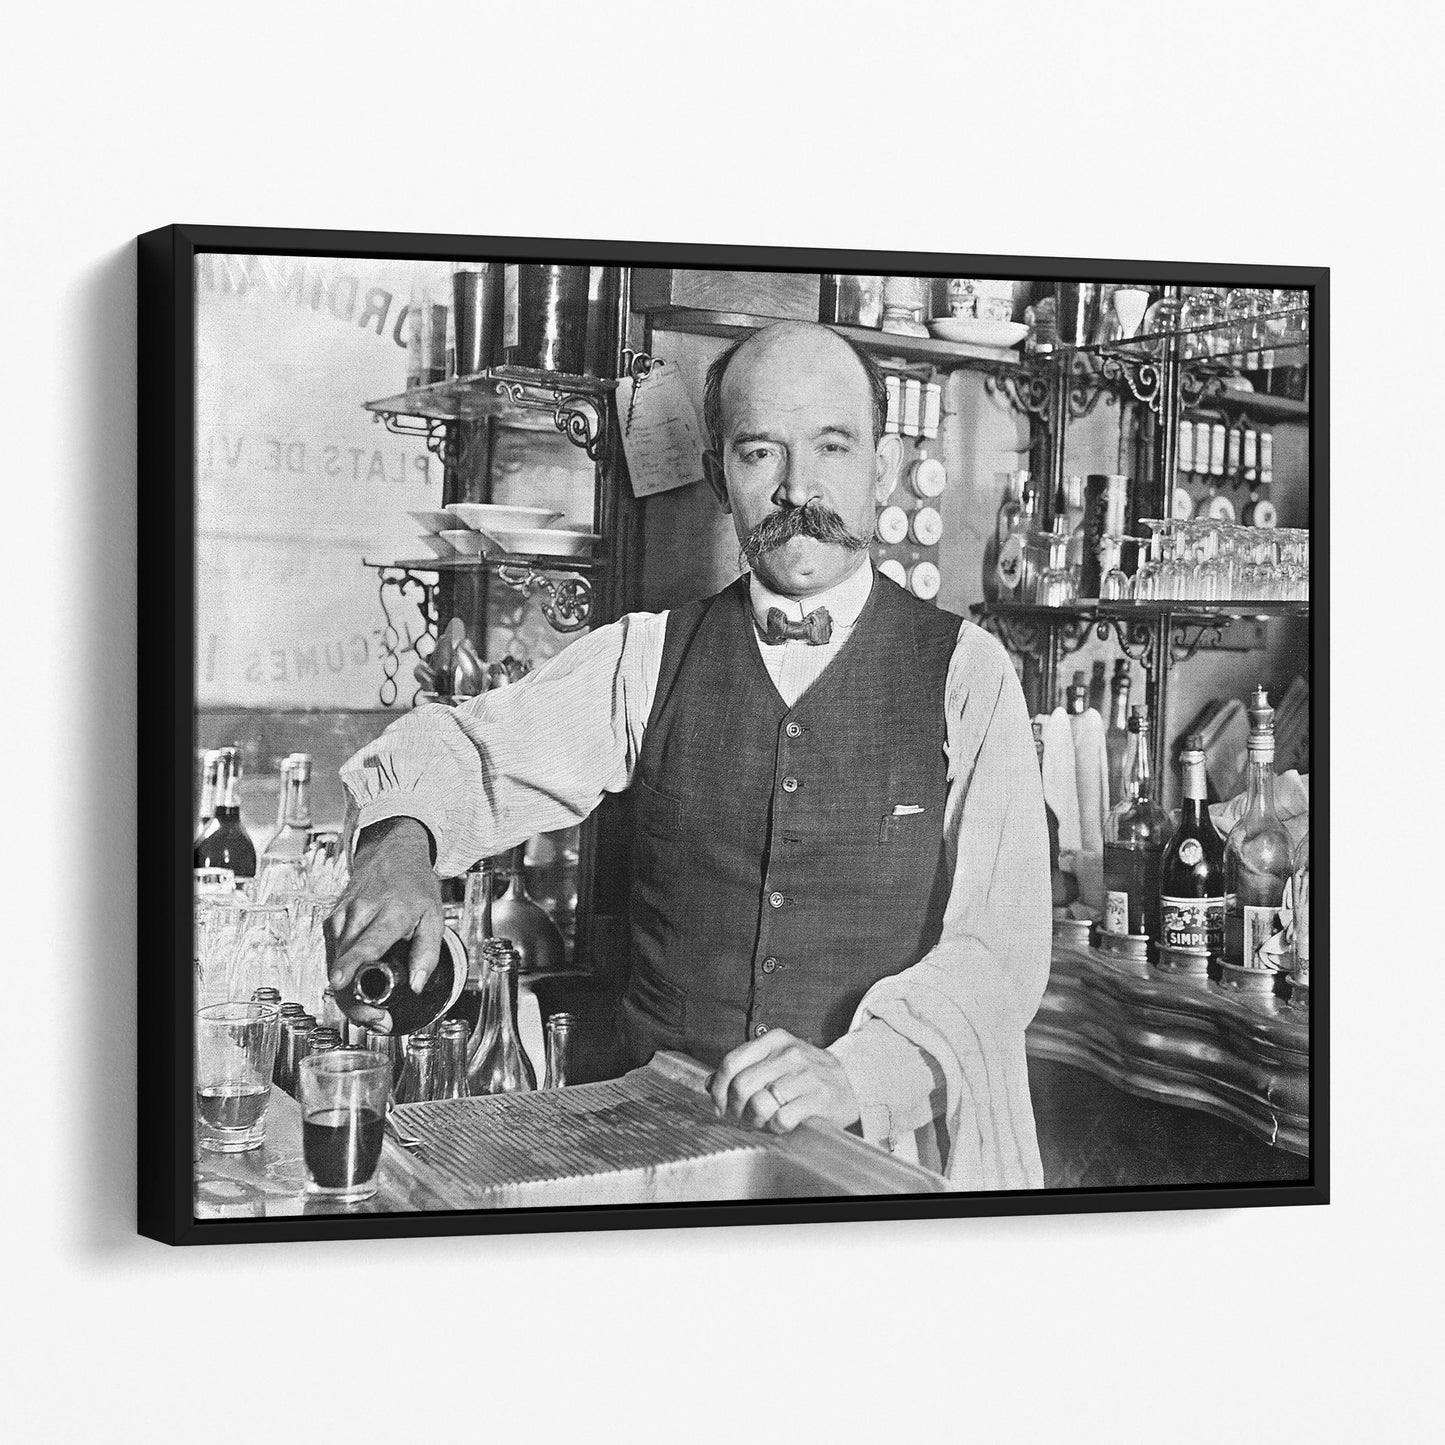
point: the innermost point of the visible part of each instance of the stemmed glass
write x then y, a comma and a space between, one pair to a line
1151, 560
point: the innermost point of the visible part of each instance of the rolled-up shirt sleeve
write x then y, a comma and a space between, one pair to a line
994, 947
533, 757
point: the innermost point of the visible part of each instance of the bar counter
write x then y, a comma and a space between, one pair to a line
650, 1137
1179, 1040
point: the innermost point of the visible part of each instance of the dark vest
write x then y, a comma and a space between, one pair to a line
773, 881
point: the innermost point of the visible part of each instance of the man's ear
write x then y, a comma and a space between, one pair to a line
889, 456
712, 470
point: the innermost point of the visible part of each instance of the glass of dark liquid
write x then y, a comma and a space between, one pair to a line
343, 1117
235, 1053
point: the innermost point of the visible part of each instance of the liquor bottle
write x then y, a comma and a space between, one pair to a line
1028, 535
1300, 910
1256, 857
386, 984
1134, 835
225, 843
210, 789
500, 1064
1116, 738
1076, 696
559, 1051
1097, 686
294, 814
1191, 872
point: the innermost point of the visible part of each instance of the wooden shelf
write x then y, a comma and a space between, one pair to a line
946, 355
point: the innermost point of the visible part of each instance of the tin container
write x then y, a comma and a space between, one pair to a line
544, 317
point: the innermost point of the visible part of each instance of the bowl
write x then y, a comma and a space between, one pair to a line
468, 543
433, 521
978, 333
437, 545
491, 516
545, 541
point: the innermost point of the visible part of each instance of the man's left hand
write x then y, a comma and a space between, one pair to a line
777, 1081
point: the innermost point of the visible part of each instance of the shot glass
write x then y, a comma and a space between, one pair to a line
343, 1098
235, 1053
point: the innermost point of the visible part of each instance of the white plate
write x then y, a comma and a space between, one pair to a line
491, 516
544, 541
433, 521
468, 543
978, 333
437, 545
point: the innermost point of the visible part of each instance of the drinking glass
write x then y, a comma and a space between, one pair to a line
1115, 586
343, 1098
307, 949
217, 919
1151, 560
280, 878
235, 1053
1203, 307
261, 957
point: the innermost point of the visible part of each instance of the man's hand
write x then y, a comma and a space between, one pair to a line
777, 1081
393, 894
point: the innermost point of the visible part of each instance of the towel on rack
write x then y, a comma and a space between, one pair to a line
1091, 773
1061, 788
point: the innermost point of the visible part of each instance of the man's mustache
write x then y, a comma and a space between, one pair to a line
813, 519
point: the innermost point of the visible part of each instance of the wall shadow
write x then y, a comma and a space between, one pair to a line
100, 1039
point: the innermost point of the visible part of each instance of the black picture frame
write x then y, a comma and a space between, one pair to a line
166, 585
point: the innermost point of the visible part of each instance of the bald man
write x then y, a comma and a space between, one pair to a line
841, 892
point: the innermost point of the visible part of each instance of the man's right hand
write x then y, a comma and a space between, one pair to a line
393, 894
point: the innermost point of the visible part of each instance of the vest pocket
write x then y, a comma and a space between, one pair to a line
654, 1007
901, 828
657, 813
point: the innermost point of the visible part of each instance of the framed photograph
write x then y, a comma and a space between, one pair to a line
646, 735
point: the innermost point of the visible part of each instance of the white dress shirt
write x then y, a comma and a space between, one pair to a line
940, 1044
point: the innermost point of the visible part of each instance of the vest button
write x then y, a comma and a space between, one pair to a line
790, 785
760, 1031
775, 900
770, 965
794, 730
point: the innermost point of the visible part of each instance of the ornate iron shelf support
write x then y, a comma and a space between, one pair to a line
577, 417
403, 582
1026, 390
567, 603
1142, 375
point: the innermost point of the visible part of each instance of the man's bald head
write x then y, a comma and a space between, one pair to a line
790, 344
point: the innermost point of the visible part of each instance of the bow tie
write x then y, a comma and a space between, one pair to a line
815, 629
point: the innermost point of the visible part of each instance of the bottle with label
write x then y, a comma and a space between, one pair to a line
225, 843
1116, 736
1256, 863
1008, 554
294, 814
210, 790
1134, 835
1191, 873
1300, 913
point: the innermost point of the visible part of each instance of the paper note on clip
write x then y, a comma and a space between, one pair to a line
661, 433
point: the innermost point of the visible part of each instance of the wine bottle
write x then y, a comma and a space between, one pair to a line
1116, 739
386, 984
225, 843
210, 789
1191, 872
1134, 835
1097, 686
1256, 862
293, 820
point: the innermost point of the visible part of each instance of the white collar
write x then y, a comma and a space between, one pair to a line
845, 601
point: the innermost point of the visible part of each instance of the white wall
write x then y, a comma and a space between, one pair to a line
1249, 1325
